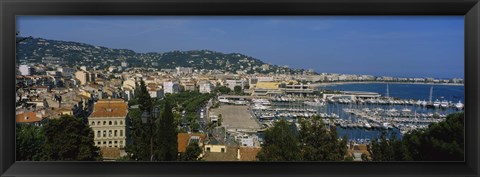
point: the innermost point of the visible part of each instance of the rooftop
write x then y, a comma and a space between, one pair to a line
248, 153
184, 138
110, 108
27, 117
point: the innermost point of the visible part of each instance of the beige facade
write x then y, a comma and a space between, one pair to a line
108, 122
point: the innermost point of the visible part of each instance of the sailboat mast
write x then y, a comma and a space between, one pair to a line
388, 94
431, 92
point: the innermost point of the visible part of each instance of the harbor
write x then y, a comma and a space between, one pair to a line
356, 114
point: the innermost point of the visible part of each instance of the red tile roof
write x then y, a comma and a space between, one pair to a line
27, 117
249, 153
184, 138
110, 108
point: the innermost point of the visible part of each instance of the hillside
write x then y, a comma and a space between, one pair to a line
37, 50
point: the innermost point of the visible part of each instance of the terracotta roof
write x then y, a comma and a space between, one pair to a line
110, 153
27, 117
249, 153
229, 155
184, 138
110, 108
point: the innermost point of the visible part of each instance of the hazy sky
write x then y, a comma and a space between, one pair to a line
412, 46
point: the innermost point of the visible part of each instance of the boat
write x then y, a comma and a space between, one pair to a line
444, 104
424, 103
436, 104
459, 105
367, 125
316, 102
386, 125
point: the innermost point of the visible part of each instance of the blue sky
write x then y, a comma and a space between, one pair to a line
410, 46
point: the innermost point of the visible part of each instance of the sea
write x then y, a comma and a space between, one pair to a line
453, 93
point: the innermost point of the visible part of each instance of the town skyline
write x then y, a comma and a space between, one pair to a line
426, 52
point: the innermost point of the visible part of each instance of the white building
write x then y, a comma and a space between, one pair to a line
184, 70
232, 83
205, 87
124, 64
171, 87
108, 122
25, 70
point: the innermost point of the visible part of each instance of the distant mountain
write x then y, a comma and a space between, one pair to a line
37, 50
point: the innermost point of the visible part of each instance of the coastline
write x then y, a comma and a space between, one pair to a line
315, 85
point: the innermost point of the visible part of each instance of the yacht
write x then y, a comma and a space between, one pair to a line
436, 104
444, 104
459, 105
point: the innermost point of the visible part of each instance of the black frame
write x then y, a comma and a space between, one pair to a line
10, 8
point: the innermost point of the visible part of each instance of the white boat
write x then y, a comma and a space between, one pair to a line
367, 125
459, 105
314, 103
424, 103
386, 125
436, 103
444, 104
262, 107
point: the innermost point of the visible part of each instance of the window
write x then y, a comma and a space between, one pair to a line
98, 122
104, 142
208, 149
121, 122
110, 123
110, 142
121, 132
99, 143
115, 142
104, 122
109, 133
104, 133
115, 123
223, 149
99, 134
121, 142
93, 123
115, 134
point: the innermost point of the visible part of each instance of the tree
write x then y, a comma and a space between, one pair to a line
443, 141
319, 143
29, 143
238, 90
139, 149
69, 138
384, 149
223, 90
144, 98
192, 153
167, 135
280, 144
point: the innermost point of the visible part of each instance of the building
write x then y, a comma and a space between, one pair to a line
124, 64
248, 153
233, 83
189, 86
184, 70
30, 118
53, 60
184, 139
26, 70
108, 122
171, 87
205, 87
83, 77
